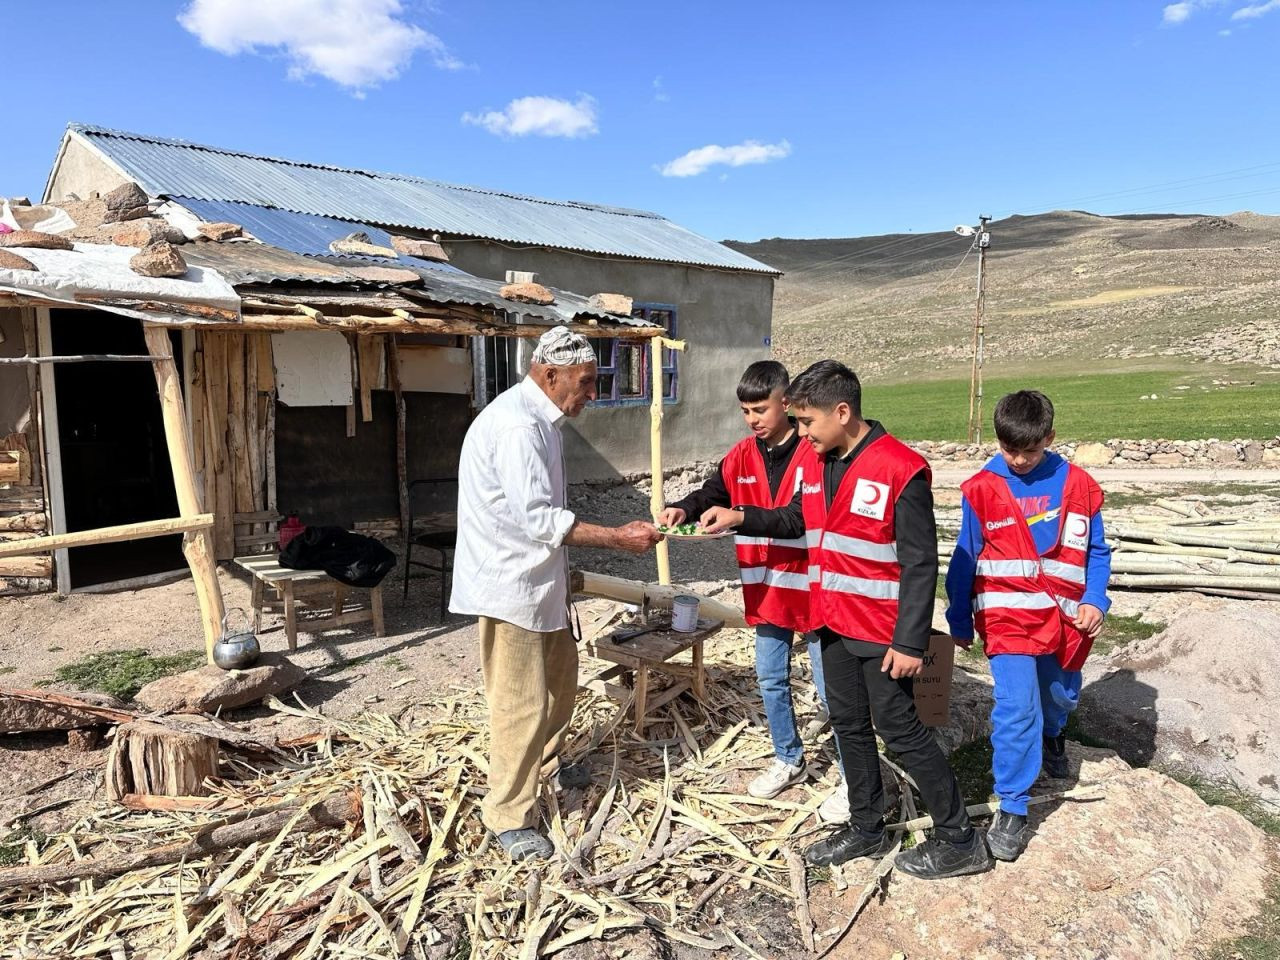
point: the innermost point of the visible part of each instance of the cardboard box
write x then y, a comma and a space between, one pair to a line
932, 689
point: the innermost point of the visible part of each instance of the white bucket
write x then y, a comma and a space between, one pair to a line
684, 614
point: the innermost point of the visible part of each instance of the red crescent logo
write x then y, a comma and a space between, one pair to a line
1079, 527
872, 494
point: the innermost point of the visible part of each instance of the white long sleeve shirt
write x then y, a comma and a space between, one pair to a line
510, 562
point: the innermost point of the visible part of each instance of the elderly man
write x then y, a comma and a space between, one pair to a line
512, 571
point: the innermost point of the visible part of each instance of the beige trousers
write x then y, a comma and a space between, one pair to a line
530, 681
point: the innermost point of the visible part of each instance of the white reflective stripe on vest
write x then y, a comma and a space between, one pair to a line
774, 578
1063, 571
992, 599
812, 538
815, 573
863, 587
799, 543
1069, 607
1008, 568
862, 549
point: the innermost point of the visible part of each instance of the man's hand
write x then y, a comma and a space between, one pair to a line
964, 643
720, 519
636, 537
898, 664
671, 517
1089, 620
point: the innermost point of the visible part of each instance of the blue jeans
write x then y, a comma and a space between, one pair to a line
773, 671
1034, 696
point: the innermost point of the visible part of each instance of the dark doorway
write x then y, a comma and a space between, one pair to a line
115, 461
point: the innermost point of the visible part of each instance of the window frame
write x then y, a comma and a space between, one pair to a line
670, 364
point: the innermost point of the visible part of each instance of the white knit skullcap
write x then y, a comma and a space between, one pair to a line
561, 347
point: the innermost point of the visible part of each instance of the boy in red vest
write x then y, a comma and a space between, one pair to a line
1030, 572
765, 470
867, 515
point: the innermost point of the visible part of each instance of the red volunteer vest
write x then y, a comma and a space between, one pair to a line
1023, 602
853, 557
774, 573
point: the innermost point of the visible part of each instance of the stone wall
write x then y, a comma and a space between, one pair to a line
1166, 453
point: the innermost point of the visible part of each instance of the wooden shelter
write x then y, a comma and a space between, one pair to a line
215, 371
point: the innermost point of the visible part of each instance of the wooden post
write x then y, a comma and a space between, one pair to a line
656, 498
197, 545
402, 464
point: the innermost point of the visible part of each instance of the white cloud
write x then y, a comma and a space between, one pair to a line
354, 43
1224, 33
749, 151
659, 94
1255, 10
539, 116
1177, 12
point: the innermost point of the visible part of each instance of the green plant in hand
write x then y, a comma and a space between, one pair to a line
684, 529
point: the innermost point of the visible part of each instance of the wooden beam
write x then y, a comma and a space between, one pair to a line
76, 358
657, 497
125, 531
402, 463
24, 566
449, 326
196, 545
634, 591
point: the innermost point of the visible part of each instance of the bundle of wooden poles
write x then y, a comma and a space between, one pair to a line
1190, 548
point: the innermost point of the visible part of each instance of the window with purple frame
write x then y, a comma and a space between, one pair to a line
623, 376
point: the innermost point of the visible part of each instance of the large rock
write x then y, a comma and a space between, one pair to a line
221, 231
422, 249
126, 202
11, 261
1253, 452
1092, 455
160, 259
34, 239
208, 688
618, 304
1196, 696
1114, 877
22, 716
527, 293
1222, 452
1168, 459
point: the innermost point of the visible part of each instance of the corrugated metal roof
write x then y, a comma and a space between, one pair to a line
302, 233
178, 168
247, 263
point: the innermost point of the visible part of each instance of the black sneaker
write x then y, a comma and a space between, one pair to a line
1055, 757
937, 859
848, 844
1008, 835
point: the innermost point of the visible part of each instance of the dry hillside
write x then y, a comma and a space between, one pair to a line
1067, 287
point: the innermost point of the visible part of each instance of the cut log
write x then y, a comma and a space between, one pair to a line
151, 759
26, 522
26, 567
214, 838
633, 591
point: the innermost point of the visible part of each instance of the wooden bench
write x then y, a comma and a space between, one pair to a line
633, 660
267, 572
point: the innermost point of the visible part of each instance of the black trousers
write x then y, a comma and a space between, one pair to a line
858, 695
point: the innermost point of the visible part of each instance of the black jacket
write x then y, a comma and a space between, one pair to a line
347, 557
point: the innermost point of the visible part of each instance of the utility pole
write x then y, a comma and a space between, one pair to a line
981, 240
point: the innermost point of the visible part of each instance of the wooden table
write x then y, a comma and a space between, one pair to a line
634, 659
267, 572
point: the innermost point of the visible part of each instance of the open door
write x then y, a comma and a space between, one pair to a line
115, 463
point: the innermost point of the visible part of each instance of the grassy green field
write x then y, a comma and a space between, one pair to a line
1096, 406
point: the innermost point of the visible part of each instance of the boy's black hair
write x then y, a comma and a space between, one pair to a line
1023, 419
824, 385
760, 380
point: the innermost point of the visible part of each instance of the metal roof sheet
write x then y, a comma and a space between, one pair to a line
178, 168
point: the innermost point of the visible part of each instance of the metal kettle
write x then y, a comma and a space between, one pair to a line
238, 650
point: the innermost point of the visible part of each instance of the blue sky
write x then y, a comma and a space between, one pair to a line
740, 120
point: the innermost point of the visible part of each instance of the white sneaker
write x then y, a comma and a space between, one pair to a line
835, 809
777, 778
